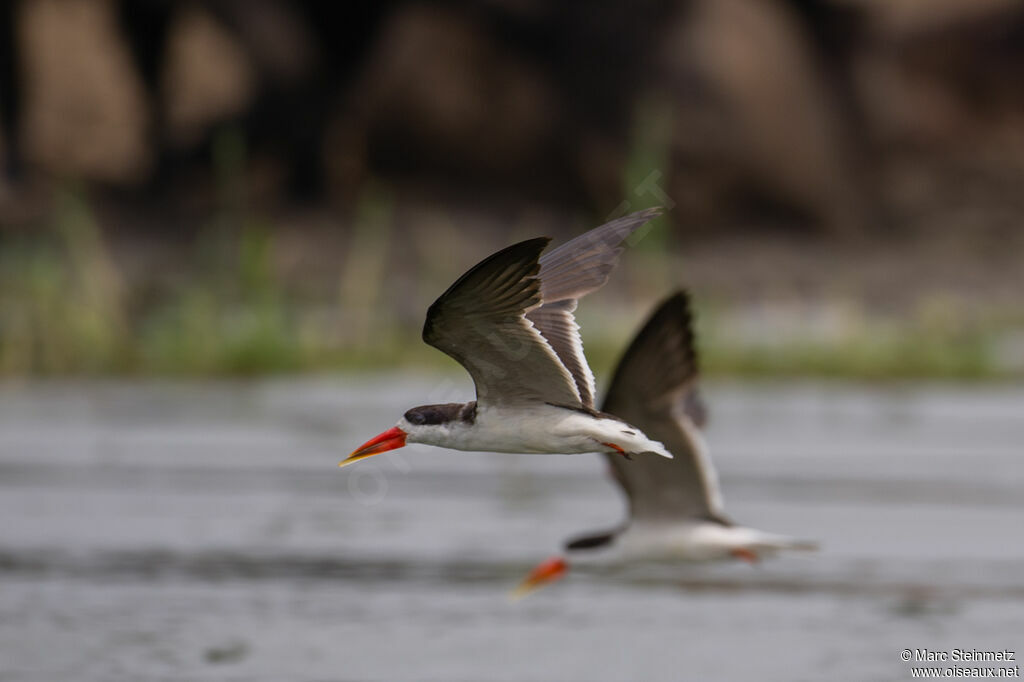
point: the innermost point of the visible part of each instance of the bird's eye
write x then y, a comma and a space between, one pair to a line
414, 417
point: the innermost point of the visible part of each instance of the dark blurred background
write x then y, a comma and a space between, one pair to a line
241, 186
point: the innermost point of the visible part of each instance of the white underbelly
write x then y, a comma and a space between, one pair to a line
544, 429
681, 541
551, 430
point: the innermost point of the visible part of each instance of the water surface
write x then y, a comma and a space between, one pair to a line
170, 531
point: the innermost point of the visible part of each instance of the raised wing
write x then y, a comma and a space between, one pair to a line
567, 274
509, 320
655, 389
481, 322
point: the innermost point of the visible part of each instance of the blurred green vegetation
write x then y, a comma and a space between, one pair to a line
66, 309
916, 351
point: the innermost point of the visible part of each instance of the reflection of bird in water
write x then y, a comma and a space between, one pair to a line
675, 505
509, 321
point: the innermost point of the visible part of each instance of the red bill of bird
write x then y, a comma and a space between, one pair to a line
675, 505
509, 322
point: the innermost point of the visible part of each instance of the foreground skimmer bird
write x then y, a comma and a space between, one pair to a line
675, 506
509, 321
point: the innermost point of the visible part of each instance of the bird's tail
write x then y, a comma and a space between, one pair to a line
638, 445
775, 543
653, 447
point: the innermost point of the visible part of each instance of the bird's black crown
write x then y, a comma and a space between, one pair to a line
441, 414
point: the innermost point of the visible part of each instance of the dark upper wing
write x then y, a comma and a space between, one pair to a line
481, 322
567, 274
655, 389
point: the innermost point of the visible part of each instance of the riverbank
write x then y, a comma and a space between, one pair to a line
87, 292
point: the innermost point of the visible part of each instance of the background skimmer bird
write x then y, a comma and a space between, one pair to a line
675, 506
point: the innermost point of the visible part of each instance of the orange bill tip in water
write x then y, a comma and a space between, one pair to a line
391, 439
547, 572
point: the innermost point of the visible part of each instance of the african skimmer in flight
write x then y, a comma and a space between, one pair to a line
509, 321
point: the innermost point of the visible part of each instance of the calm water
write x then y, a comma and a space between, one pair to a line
204, 532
